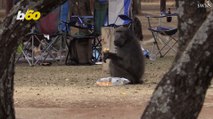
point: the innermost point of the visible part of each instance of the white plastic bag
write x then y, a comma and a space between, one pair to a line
112, 81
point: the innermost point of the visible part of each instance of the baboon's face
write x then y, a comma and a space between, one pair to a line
120, 36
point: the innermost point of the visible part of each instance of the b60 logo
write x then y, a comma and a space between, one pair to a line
29, 15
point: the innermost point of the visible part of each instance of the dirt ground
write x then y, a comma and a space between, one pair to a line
69, 92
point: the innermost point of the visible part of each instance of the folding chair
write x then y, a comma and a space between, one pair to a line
93, 25
83, 23
162, 34
52, 25
27, 47
44, 46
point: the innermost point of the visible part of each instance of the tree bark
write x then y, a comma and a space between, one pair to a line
136, 7
9, 5
6, 89
81, 7
189, 21
162, 5
181, 92
12, 32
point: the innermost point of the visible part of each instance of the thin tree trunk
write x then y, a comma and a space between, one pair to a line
163, 5
136, 7
81, 7
12, 32
9, 5
181, 92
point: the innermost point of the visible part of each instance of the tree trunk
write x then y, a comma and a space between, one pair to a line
6, 90
81, 7
9, 5
162, 5
189, 21
12, 32
181, 92
7, 99
136, 7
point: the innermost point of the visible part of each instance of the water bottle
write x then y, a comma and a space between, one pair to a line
152, 57
169, 19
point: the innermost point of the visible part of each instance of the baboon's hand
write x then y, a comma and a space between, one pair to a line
105, 56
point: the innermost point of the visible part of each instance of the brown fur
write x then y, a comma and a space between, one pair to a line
128, 61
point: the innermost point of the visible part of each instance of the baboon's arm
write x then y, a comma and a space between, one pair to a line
110, 55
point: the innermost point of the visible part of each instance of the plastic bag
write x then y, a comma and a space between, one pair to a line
112, 81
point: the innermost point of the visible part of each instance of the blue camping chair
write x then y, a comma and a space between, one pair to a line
91, 24
102, 17
163, 32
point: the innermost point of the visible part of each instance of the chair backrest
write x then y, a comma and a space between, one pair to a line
54, 21
94, 22
64, 17
49, 23
161, 20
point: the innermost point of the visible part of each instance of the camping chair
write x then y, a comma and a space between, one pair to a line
83, 23
162, 33
92, 24
58, 34
55, 30
27, 47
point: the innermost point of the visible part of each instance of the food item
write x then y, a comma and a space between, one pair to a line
106, 50
104, 83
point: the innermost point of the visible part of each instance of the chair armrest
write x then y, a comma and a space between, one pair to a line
161, 16
79, 22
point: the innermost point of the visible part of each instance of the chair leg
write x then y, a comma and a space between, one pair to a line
97, 47
48, 49
72, 53
155, 43
29, 44
170, 48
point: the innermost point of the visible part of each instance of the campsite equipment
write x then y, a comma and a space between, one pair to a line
52, 46
163, 34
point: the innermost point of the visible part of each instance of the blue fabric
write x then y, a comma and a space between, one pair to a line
117, 8
81, 22
103, 1
64, 12
127, 4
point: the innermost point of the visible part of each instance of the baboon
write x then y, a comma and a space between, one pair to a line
128, 61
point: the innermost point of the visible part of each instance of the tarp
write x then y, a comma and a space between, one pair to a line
53, 22
118, 7
64, 13
49, 23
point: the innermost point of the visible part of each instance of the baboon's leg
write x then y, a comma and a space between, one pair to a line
118, 70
